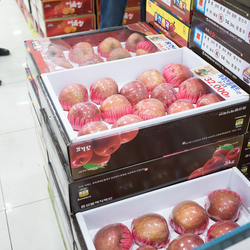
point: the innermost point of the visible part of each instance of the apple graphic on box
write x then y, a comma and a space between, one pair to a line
196, 173
113, 236
222, 151
232, 157
214, 164
106, 145
82, 156
98, 160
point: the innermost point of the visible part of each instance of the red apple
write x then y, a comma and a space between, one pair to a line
81, 154
149, 108
103, 88
133, 40
134, 91
72, 94
92, 127
223, 204
89, 59
189, 217
117, 54
222, 151
107, 45
114, 107
214, 164
106, 145
129, 135
150, 229
99, 160
232, 157
186, 241
151, 78
179, 106
196, 173
165, 93
220, 228
209, 99
113, 236
79, 50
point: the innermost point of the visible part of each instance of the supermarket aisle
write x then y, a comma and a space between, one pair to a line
27, 219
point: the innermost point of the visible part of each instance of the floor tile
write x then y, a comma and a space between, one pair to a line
15, 104
34, 226
2, 207
4, 235
22, 174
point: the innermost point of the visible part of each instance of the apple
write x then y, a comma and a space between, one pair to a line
196, 173
150, 229
189, 217
186, 241
165, 93
117, 54
113, 236
72, 94
220, 228
102, 88
222, 150
179, 106
114, 107
176, 73
133, 40
62, 62
208, 99
107, 45
151, 78
232, 157
89, 59
83, 112
92, 127
106, 145
214, 164
129, 135
149, 108
145, 47
79, 50
192, 89
134, 91
223, 204
81, 155
99, 160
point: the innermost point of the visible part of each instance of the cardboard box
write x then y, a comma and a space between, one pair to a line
221, 51
163, 200
183, 10
197, 126
232, 18
64, 8
167, 24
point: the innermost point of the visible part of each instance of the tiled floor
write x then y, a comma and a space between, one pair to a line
27, 219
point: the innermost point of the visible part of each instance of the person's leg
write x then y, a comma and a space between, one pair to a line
112, 12
4, 52
143, 10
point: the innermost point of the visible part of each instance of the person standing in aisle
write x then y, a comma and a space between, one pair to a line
112, 12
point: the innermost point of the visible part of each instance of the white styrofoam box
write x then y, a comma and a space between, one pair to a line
162, 201
125, 70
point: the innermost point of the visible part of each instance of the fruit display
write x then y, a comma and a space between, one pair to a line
191, 228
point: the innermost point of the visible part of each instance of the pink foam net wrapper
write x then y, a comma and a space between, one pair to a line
147, 46
77, 122
95, 97
112, 115
145, 117
180, 230
67, 105
142, 241
183, 94
101, 53
126, 238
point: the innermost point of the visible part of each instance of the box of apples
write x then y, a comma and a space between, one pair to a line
139, 122
186, 215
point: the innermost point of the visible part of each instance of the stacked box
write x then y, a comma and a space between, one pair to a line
169, 25
56, 18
